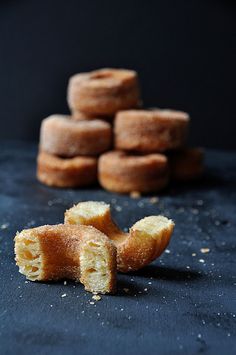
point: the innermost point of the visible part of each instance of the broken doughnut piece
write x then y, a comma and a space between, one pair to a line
79, 253
146, 240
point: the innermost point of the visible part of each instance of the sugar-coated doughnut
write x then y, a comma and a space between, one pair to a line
186, 164
150, 131
123, 173
146, 240
66, 172
79, 253
103, 92
62, 136
81, 116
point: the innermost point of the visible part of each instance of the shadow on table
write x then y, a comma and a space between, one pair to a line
167, 273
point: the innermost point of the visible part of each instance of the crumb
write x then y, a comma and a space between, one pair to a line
145, 289
91, 302
118, 208
126, 289
135, 194
204, 250
149, 283
65, 282
201, 261
167, 251
154, 199
122, 309
96, 297
194, 254
64, 295
4, 225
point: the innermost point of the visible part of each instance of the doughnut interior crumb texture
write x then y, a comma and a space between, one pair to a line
146, 240
50, 253
28, 255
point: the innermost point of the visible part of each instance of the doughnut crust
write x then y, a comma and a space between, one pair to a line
186, 164
123, 173
146, 240
80, 253
69, 172
103, 92
150, 131
62, 136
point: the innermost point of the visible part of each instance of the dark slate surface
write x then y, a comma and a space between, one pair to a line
184, 303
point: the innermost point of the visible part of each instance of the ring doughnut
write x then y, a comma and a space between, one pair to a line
186, 164
62, 136
79, 253
123, 173
81, 116
150, 131
70, 172
103, 92
146, 240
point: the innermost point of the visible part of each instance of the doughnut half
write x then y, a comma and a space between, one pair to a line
146, 240
69, 172
123, 173
62, 136
186, 164
103, 92
56, 252
150, 131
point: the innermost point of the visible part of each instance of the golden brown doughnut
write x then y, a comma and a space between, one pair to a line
69, 172
67, 138
122, 172
81, 116
79, 253
186, 164
103, 92
150, 131
146, 240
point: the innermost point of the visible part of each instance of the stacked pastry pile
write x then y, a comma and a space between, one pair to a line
148, 144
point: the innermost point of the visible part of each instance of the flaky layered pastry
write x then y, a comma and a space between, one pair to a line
146, 240
150, 131
55, 252
103, 92
65, 137
70, 172
123, 172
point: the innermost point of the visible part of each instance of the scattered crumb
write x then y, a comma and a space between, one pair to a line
167, 251
126, 289
201, 261
4, 225
145, 289
118, 208
135, 194
91, 302
96, 297
154, 199
65, 282
194, 254
122, 309
204, 250
64, 295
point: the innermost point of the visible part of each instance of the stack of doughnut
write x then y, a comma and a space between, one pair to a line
108, 137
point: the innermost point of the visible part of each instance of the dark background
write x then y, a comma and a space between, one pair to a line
184, 52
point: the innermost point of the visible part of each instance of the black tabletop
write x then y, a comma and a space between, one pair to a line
183, 303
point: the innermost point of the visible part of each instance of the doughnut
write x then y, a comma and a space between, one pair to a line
62, 136
123, 173
69, 172
146, 240
81, 116
56, 252
103, 92
186, 164
150, 131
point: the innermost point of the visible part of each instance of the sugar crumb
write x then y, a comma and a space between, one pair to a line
135, 194
204, 250
96, 297
63, 295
